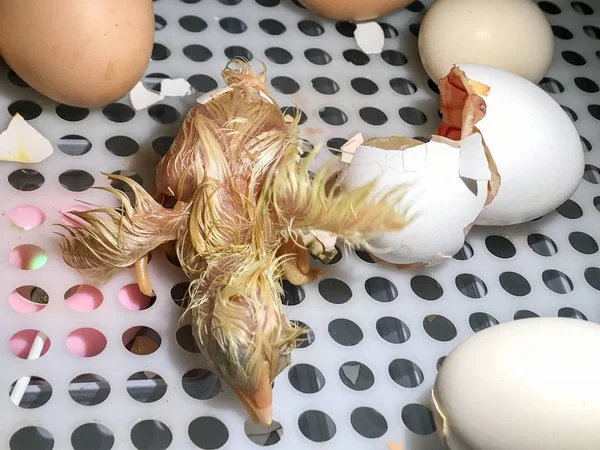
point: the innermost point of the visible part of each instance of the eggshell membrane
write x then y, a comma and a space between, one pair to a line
529, 384
84, 53
533, 143
513, 35
439, 204
354, 9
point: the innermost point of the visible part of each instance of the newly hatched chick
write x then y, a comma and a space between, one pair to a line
243, 197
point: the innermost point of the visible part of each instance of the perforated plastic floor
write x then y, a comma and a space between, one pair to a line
378, 335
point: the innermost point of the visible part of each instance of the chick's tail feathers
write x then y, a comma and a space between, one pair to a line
109, 239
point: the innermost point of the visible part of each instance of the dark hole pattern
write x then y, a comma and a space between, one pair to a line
151, 434
471, 285
16, 79
92, 436
333, 115
557, 281
76, 180
381, 289
233, 25
26, 180
118, 112
571, 313
237, 51
325, 85
208, 433
292, 295
500, 246
285, 85
368, 422
360, 253
412, 116
549, 7
356, 376
426, 287
345, 28
418, 419
202, 83
582, 8
592, 276
403, 86
310, 28
480, 321
542, 245
201, 384
570, 210
153, 80
162, 144
525, 314
71, 113
572, 114
573, 58
439, 328
587, 146
317, 56
278, 55
586, 85
373, 116
335, 291
193, 24
146, 387
389, 31
74, 145
186, 340
405, 373
292, 111
307, 337
197, 53
561, 32
39, 395
591, 174
515, 284
89, 389
592, 31
163, 113
121, 146
393, 330
394, 58
364, 86
464, 253
416, 6
583, 242
552, 86
159, 22
345, 332
160, 52
356, 57
594, 110
27, 109
31, 437
306, 378
272, 27
316, 426
414, 28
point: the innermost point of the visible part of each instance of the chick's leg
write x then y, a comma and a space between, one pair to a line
141, 274
297, 269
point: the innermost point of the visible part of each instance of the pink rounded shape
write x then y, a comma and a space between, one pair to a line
27, 217
27, 257
71, 220
84, 298
132, 298
20, 300
86, 342
20, 343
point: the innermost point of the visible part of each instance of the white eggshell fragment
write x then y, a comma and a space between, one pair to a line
141, 97
513, 35
20, 142
533, 142
439, 203
369, 37
177, 87
531, 384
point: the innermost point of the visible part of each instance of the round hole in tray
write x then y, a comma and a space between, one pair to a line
381, 289
292, 111
524, 314
368, 422
27, 109
515, 284
388, 30
557, 281
74, 145
316, 426
587, 146
272, 27
237, 51
439, 363
233, 25
542, 245
153, 81
412, 116
185, 339
434, 88
306, 338
86, 342
26, 180
345, 28
364, 256
201, 384
571, 313
356, 57
278, 55
583, 243
592, 31
317, 56
418, 419
28, 257
464, 253
561, 32
76, 180
31, 437
230, 2
393, 330
89, 389
572, 114
268, 3
335, 144
426, 287
403, 86
345, 332
373, 116
37, 396
471, 285
310, 28
146, 386
405, 373
292, 295
592, 276
549, 7
551, 85
439, 328
285, 85
594, 110
573, 58
160, 52
586, 85
414, 28
333, 116
71, 113
197, 53
208, 433
28, 299
159, 22
163, 113
92, 436
394, 58
415, 6
162, 144
132, 298
22, 341
16, 79
364, 86
325, 85
179, 294
335, 291
26, 217
306, 378
263, 435
570, 210
500, 246
121, 145
193, 24
356, 375
582, 8
118, 112
141, 340
480, 321
151, 435
202, 83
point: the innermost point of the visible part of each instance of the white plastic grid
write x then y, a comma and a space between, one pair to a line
403, 321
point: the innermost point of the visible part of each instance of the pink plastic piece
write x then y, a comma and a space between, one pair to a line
84, 298
132, 298
23, 304
86, 342
20, 343
27, 217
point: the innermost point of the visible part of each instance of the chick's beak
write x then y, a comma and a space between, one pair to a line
259, 401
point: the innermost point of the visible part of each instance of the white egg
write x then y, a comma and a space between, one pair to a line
530, 384
533, 142
446, 188
513, 35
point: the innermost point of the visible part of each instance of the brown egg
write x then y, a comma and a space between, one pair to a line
84, 53
353, 9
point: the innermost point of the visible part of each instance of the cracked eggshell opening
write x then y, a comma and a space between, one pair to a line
439, 203
531, 140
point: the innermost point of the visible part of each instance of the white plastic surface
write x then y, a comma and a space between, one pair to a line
469, 286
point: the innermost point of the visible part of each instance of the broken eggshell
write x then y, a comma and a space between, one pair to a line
533, 142
446, 184
20, 142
